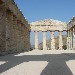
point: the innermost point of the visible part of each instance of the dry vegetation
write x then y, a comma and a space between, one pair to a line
56, 43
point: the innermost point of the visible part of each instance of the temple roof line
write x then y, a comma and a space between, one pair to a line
48, 22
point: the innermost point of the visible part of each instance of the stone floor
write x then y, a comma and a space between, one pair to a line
39, 63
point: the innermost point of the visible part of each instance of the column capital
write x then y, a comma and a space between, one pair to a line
60, 31
52, 31
44, 31
36, 31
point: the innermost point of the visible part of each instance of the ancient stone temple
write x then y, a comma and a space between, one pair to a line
52, 26
48, 25
14, 28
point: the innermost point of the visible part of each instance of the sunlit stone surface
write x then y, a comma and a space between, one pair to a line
43, 62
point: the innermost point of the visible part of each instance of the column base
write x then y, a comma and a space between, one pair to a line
72, 49
68, 49
53, 49
36, 49
44, 48
60, 49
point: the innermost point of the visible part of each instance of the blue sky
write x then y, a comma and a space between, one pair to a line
34, 10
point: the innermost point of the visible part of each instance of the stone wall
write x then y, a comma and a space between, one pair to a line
14, 31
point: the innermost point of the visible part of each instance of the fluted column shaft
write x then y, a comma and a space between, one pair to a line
44, 41
52, 41
36, 40
73, 37
60, 40
68, 39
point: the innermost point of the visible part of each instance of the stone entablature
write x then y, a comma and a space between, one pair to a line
48, 25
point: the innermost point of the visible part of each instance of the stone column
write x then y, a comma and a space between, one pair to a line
70, 39
36, 40
73, 37
3, 24
9, 33
67, 39
52, 41
14, 39
60, 40
19, 36
44, 41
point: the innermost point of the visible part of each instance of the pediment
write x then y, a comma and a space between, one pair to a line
48, 22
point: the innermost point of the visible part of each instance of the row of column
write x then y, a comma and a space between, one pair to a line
71, 38
52, 40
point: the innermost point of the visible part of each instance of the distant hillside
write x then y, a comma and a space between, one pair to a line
49, 43
56, 42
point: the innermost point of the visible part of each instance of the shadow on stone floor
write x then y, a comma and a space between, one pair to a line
56, 62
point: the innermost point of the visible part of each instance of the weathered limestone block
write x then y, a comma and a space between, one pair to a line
28, 40
19, 36
22, 38
36, 40
52, 41
0, 1
44, 41
9, 32
48, 25
2, 30
67, 43
14, 31
60, 40
70, 39
74, 37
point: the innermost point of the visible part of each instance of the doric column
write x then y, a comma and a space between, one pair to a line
36, 40
60, 40
15, 37
9, 33
70, 39
44, 40
67, 39
19, 40
73, 37
52, 41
